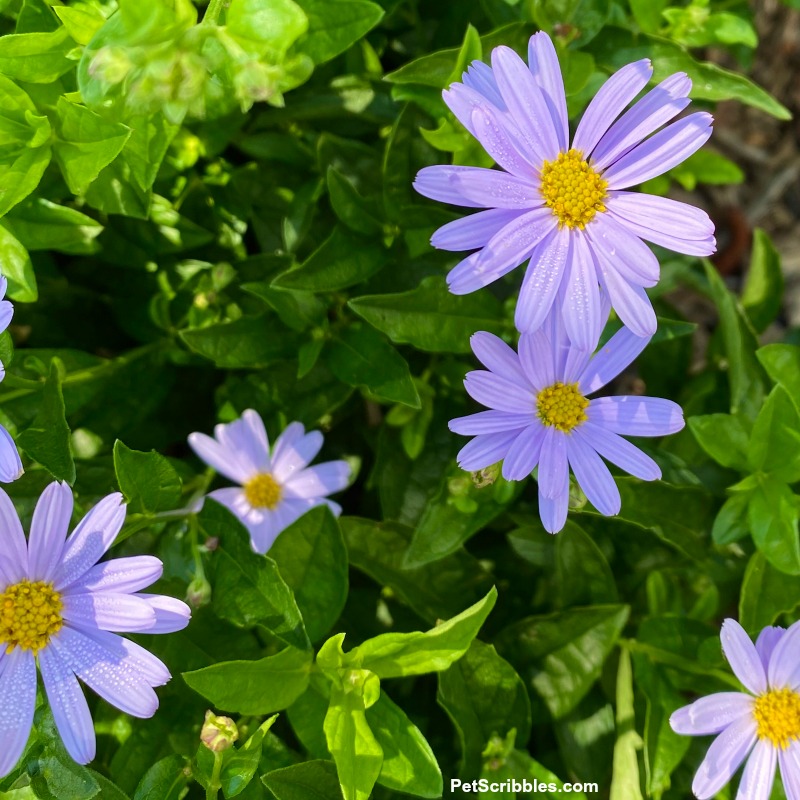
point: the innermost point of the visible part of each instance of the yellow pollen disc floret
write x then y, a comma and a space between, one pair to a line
263, 491
561, 406
777, 714
30, 613
572, 189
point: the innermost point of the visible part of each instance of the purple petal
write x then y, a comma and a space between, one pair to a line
553, 475
613, 357
546, 71
496, 392
536, 358
661, 152
609, 102
503, 142
3, 286
759, 773
743, 658
553, 511
93, 535
49, 529
523, 454
233, 498
68, 704
245, 442
630, 301
319, 481
592, 475
109, 611
150, 668
462, 99
474, 230
655, 109
513, 244
265, 530
766, 642
664, 238
489, 422
6, 314
651, 211
476, 187
724, 756
295, 457
632, 258
219, 458
10, 463
712, 714
636, 416
784, 666
621, 452
480, 77
789, 760
542, 280
171, 614
111, 674
581, 308
122, 575
14, 549
17, 703
485, 450
497, 357
526, 103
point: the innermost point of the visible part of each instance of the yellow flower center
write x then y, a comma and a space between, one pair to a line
30, 613
777, 715
263, 491
562, 406
572, 189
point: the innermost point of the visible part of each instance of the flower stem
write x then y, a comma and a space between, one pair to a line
213, 11
214, 785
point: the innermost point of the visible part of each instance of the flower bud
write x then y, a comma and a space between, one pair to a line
218, 733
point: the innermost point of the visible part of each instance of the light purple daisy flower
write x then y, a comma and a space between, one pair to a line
540, 415
10, 463
59, 607
565, 207
276, 488
762, 725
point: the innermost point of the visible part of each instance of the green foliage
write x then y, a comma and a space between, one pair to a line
204, 210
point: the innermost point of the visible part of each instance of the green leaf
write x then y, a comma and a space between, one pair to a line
409, 764
706, 166
775, 442
246, 342
81, 21
625, 776
334, 25
307, 715
711, 82
766, 594
359, 356
22, 175
36, 57
254, 687
266, 28
148, 481
42, 225
349, 206
342, 260
471, 50
430, 317
354, 748
773, 518
311, 780
483, 696
584, 575
561, 655
435, 591
731, 522
248, 588
46, 440
724, 437
763, 289
782, 363
17, 268
312, 559
648, 13
86, 144
165, 780
744, 372
240, 764
395, 655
